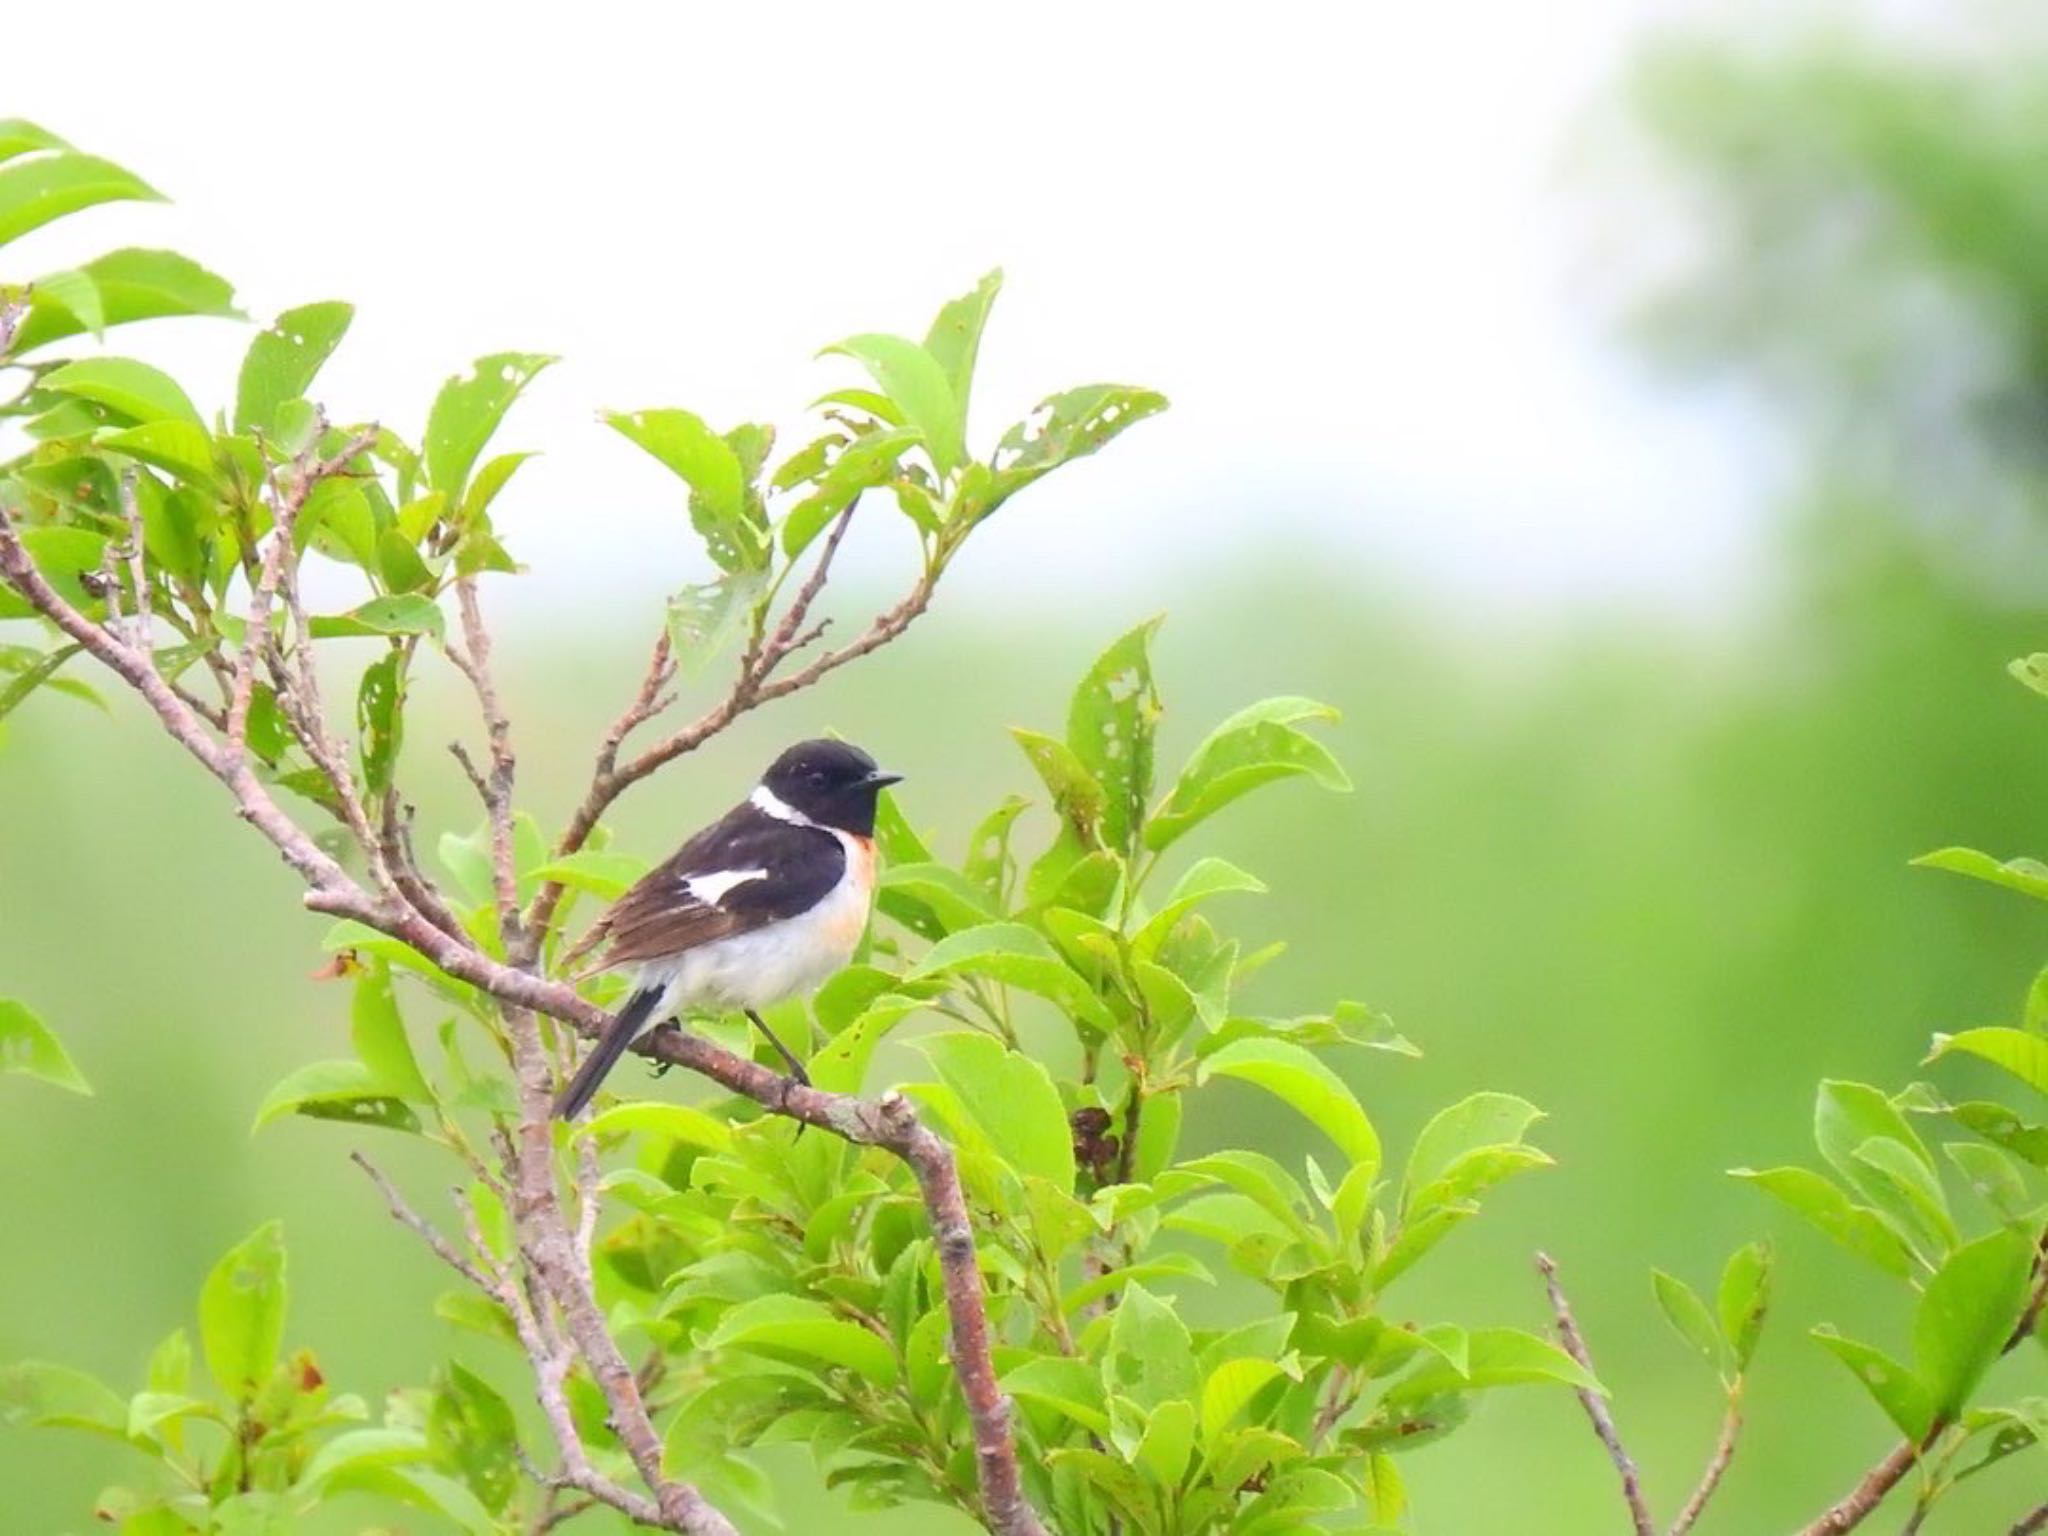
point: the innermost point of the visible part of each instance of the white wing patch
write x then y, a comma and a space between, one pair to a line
711, 889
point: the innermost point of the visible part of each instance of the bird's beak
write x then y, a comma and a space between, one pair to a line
882, 778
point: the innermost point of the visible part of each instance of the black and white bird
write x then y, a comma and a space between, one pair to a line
762, 905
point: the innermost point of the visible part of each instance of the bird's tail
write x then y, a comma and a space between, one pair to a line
625, 1028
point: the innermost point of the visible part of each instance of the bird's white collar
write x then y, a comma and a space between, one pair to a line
768, 803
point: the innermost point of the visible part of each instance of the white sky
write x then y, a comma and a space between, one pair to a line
1337, 236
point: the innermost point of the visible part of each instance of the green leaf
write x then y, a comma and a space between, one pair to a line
704, 619
1229, 1389
1150, 1356
2020, 1052
131, 285
841, 1064
378, 1032
468, 410
792, 1325
241, 1313
1205, 878
954, 341
1496, 1357
1162, 1452
1061, 428
1846, 1116
916, 381
122, 384
359, 1449
1827, 1208
2027, 876
1689, 1316
1012, 1099
35, 189
470, 1427
34, 675
949, 895
147, 1411
2031, 670
1256, 746
176, 447
1064, 1384
1902, 1396
1110, 726
1479, 1123
1743, 1299
1908, 1191
57, 1396
708, 464
404, 613
78, 294
1967, 1313
281, 362
600, 872
868, 461
649, 1117
380, 720
1077, 796
1301, 1081
1015, 956
336, 1090
28, 1047
19, 136
1995, 1178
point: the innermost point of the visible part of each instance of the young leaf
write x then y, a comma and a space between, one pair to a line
954, 340
1061, 428
131, 285
380, 718
134, 389
336, 1090
35, 189
282, 361
378, 1032
705, 462
404, 613
1012, 1099
32, 1392
1015, 956
1110, 728
2027, 876
1826, 1207
27, 1046
1903, 1397
2022, 1053
241, 1313
1743, 1299
792, 1325
913, 379
1967, 1313
1689, 1316
1257, 745
468, 410
1150, 1356
1298, 1079
1496, 1357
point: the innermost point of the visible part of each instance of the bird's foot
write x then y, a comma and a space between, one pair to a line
663, 1068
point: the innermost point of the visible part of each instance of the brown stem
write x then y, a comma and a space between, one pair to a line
1717, 1464
2033, 1522
1596, 1409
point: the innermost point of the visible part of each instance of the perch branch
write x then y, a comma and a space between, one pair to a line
1717, 1464
1596, 1409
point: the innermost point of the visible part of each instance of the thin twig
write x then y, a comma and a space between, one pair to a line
1717, 1464
2032, 1523
428, 1232
1596, 1408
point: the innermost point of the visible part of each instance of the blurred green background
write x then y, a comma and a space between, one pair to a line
1652, 876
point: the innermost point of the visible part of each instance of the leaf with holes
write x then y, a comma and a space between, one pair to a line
467, 412
1110, 726
916, 383
281, 362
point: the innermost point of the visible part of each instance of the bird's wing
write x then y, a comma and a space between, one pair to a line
745, 870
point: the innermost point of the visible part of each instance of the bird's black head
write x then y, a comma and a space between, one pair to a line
829, 782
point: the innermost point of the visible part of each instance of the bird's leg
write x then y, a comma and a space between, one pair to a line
796, 1068
662, 1068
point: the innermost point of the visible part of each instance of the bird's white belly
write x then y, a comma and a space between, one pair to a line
761, 968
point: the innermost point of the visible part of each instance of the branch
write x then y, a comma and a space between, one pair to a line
1603, 1422
2032, 1523
756, 685
497, 789
1717, 1464
1860, 1501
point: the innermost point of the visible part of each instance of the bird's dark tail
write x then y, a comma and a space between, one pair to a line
625, 1028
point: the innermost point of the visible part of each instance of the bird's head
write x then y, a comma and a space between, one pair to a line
829, 782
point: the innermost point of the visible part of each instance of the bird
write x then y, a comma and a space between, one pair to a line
762, 905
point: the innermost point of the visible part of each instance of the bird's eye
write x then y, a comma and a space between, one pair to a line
818, 779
